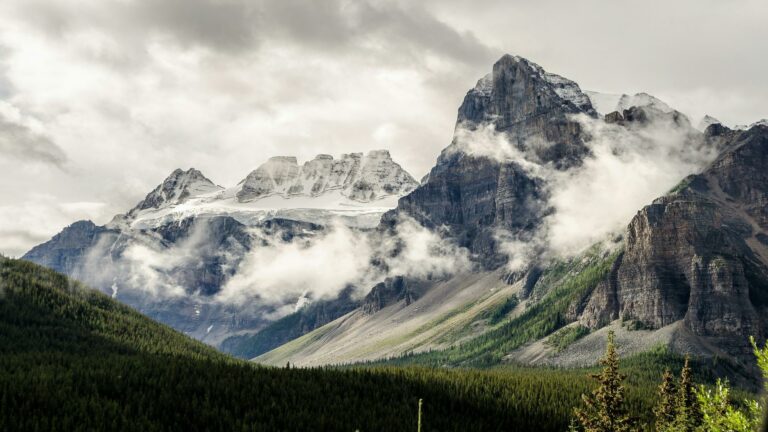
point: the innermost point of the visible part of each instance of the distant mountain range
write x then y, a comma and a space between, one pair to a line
536, 190
173, 252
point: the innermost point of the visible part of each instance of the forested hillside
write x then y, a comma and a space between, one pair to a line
73, 359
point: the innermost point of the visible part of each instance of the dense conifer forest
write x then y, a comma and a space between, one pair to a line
73, 359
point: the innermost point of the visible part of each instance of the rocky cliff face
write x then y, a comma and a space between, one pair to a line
176, 189
696, 254
66, 250
357, 177
472, 196
391, 291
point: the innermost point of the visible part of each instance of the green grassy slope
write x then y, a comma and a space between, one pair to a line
559, 286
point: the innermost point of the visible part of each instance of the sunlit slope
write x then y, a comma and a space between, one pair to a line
477, 318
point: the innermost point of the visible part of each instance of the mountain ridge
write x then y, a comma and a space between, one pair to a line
469, 196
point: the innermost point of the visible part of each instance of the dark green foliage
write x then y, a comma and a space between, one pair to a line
665, 408
73, 359
684, 183
500, 312
688, 415
562, 338
605, 410
635, 325
560, 286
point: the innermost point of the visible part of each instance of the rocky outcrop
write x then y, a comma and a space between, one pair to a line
532, 108
472, 197
176, 189
65, 251
695, 255
359, 178
391, 291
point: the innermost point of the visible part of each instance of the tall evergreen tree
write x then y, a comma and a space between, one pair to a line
666, 411
688, 414
604, 410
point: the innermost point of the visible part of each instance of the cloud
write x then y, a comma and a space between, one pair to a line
290, 272
283, 271
627, 168
279, 273
239, 27
22, 139
132, 89
414, 251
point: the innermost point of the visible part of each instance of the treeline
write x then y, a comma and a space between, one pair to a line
72, 359
681, 405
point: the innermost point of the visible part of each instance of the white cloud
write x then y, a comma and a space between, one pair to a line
628, 168
287, 273
284, 271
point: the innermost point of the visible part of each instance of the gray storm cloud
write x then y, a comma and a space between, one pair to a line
240, 26
130, 90
23, 139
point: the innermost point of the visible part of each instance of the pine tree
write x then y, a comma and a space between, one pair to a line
605, 411
688, 414
666, 409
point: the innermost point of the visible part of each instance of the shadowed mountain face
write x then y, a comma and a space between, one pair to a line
698, 254
473, 196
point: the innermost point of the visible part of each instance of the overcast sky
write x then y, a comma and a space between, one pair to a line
101, 99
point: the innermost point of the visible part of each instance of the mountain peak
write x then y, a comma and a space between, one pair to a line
642, 100
762, 122
706, 121
357, 177
179, 186
517, 90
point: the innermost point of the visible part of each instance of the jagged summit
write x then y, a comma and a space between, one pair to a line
362, 178
178, 187
357, 186
476, 194
706, 121
518, 89
606, 103
762, 122
643, 100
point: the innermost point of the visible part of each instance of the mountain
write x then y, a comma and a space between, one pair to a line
356, 188
523, 244
476, 195
178, 188
357, 178
762, 122
706, 121
698, 257
173, 255
687, 273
